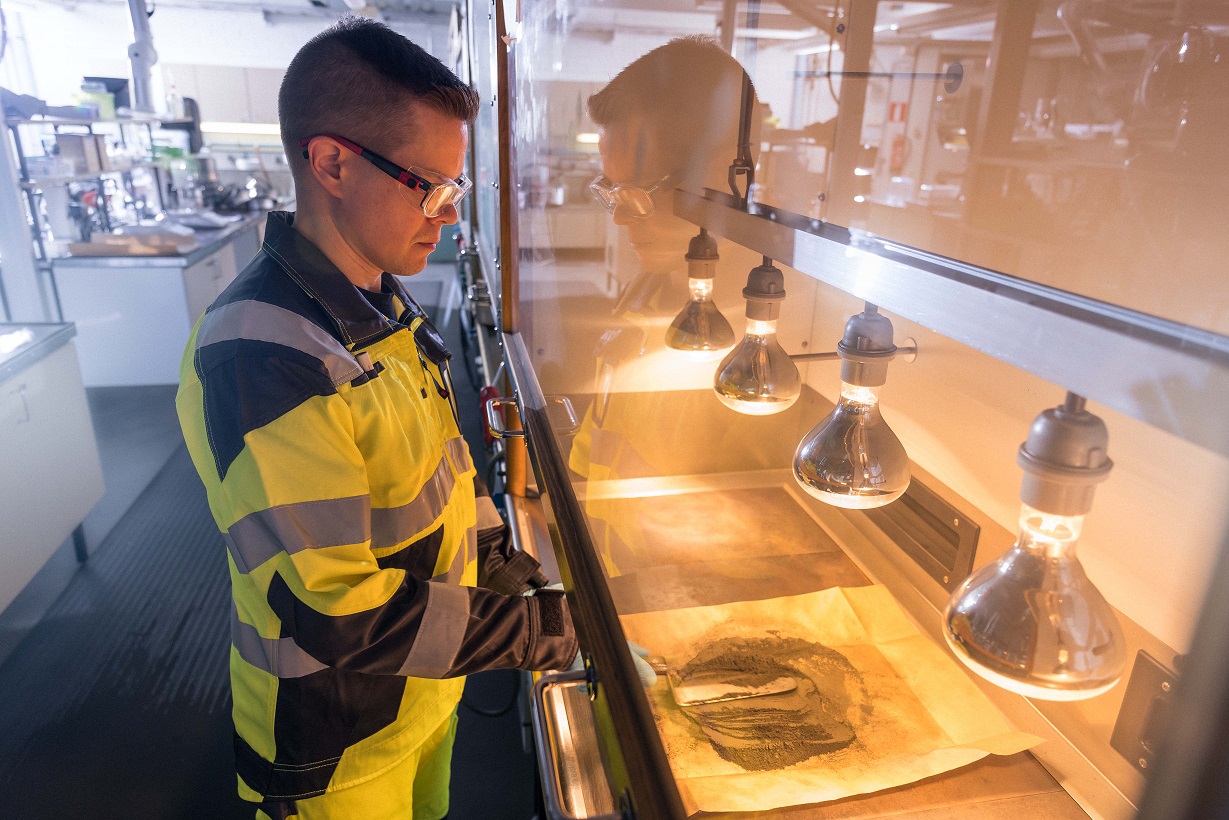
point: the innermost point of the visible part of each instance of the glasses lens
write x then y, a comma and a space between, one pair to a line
441, 196
436, 200
634, 201
601, 189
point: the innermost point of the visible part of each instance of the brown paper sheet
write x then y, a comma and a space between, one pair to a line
877, 704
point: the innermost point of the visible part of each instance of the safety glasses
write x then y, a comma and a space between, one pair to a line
438, 191
634, 200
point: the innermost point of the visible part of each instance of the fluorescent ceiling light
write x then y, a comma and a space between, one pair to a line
587, 138
982, 30
824, 49
775, 33
254, 128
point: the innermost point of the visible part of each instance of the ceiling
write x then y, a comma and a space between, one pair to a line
426, 11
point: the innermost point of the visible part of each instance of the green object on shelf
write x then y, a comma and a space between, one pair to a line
105, 100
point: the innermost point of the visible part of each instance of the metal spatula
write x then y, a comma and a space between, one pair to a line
698, 694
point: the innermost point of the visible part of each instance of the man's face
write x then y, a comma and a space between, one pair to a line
382, 218
630, 157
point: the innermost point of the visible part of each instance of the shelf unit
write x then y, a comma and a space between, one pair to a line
39, 182
31, 184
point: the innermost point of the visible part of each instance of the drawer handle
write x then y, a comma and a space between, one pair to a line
547, 758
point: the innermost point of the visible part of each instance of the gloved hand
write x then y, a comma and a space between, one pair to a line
645, 672
501, 567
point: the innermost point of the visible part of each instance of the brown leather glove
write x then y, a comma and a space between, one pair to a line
501, 567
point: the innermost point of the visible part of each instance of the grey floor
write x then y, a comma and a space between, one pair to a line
113, 693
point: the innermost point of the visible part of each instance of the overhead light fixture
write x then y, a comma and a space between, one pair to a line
852, 458
758, 377
1032, 622
699, 328
775, 33
249, 128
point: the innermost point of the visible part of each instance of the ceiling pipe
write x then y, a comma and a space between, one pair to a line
143, 57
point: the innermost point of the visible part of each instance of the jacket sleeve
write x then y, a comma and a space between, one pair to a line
300, 513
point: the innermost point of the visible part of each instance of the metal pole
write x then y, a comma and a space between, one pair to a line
744, 164
859, 36
996, 121
509, 234
142, 55
729, 17
21, 289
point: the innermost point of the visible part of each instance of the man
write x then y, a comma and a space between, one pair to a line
668, 120
314, 399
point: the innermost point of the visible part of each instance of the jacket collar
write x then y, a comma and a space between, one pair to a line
356, 319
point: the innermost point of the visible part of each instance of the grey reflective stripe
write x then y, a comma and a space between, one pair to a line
440, 632
458, 451
281, 657
391, 526
468, 550
262, 322
291, 528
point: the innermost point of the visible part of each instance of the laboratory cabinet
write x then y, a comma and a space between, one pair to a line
134, 314
52, 476
888, 420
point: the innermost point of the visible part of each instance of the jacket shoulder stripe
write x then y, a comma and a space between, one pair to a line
291, 528
263, 322
445, 620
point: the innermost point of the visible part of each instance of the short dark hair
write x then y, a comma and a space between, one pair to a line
687, 92
355, 78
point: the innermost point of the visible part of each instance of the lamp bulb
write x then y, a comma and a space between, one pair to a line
699, 328
758, 378
1032, 622
852, 458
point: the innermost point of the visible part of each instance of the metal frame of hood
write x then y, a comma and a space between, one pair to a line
637, 768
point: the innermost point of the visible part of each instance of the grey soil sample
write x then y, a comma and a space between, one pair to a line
775, 731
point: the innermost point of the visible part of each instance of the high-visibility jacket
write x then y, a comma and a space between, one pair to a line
345, 494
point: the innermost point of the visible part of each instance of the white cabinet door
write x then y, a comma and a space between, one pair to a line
132, 322
51, 476
205, 281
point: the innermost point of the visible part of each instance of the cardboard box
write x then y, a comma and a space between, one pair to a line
88, 152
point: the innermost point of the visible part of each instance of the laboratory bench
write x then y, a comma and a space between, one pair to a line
52, 476
134, 314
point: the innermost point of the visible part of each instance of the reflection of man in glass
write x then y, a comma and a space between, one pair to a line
821, 715
669, 120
